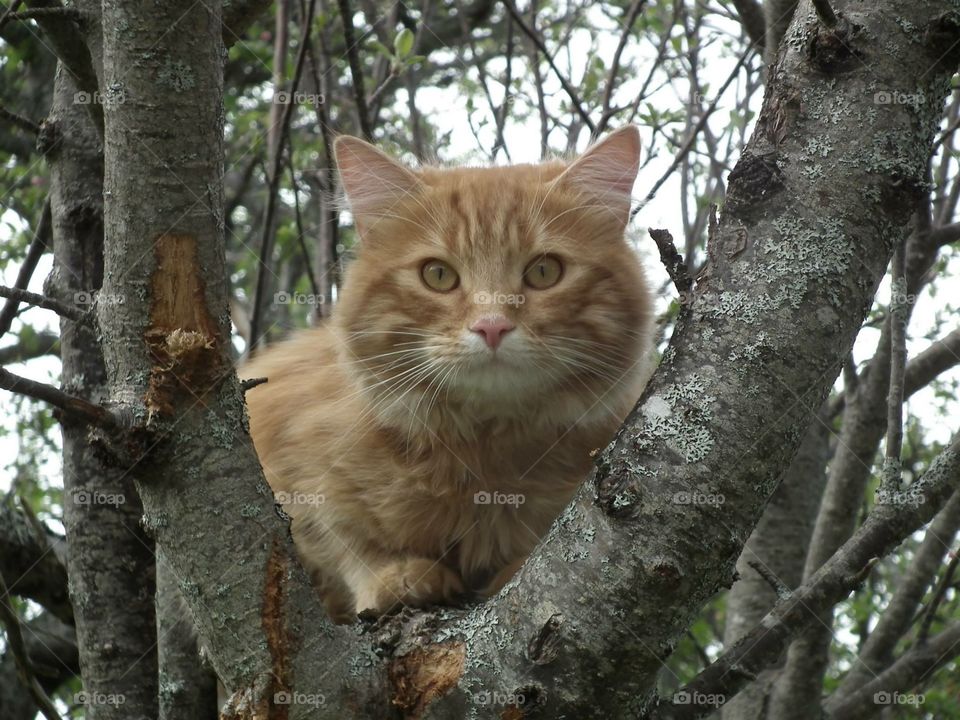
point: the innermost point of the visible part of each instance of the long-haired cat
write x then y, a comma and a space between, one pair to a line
492, 331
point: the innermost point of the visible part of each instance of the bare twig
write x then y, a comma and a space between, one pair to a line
886, 526
356, 69
688, 144
538, 41
72, 406
20, 121
673, 261
15, 641
939, 594
250, 383
606, 113
30, 298
39, 245
301, 232
9, 11
65, 13
267, 235
898, 359
775, 583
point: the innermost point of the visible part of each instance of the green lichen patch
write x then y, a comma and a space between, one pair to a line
679, 417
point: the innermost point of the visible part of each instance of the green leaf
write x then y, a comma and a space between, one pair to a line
403, 43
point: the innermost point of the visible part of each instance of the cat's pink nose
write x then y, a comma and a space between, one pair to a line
493, 329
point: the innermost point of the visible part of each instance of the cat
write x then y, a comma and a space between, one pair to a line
493, 330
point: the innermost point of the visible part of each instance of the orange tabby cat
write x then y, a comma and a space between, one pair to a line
492, 331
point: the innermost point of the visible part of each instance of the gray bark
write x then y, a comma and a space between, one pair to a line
32, 564
188, 690
109, 559
897, 618
796, 695
52, 651
582, 632
779, 543
911, 668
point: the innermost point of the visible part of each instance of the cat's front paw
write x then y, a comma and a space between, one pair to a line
413, 582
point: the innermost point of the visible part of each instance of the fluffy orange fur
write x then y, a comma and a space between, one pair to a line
418, 461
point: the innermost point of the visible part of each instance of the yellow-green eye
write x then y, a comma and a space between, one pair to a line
438, 275
543, 272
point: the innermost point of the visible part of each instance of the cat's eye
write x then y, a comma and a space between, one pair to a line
438, 275
544, 272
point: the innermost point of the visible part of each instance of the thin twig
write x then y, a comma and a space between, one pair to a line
20, 121
9, 11
20, 655
938, 597
898, 359
67, 13
267, 235
30, 298
38, 245
686, 147
776, 584
74, 407
673, 261
356, 69
826, 14
606, 113
538, 41
308, 266
252, 383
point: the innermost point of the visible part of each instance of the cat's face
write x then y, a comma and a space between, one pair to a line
496, 286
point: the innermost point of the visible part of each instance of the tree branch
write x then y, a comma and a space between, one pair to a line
73, 407
38, 245
34, 563
18, 648
537, 40
68, 311
885, 528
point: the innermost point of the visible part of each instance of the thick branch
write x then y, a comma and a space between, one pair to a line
911, 669
33, 564
885, 528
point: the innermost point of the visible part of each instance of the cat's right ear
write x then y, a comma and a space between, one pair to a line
372, 181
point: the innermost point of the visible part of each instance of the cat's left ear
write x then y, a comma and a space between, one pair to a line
607, 170
372, 180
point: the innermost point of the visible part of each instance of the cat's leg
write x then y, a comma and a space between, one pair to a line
502, 578
415, 581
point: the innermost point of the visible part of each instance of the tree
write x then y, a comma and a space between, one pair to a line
740, 458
